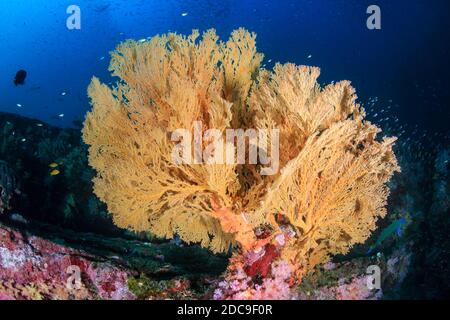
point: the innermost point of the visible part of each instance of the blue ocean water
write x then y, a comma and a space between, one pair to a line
405, 64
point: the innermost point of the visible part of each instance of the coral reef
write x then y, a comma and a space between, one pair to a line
176, 270
47, 217
431, 236
8, 186
348, 280
36, 269
162, 270
237, 285
33, 267
326, 197
28, 147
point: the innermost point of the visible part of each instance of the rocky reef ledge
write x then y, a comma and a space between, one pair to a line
69, 265
32, 267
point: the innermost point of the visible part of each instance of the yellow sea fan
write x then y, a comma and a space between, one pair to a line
168, 83
331, 186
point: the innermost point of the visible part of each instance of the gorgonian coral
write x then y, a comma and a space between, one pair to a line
330, 188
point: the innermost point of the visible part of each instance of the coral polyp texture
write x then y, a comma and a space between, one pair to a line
326, 197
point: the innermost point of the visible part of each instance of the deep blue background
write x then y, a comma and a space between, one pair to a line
407, 61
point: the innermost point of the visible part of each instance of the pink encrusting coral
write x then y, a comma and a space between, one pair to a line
238, 285
354, 288
357, 289
35, 268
